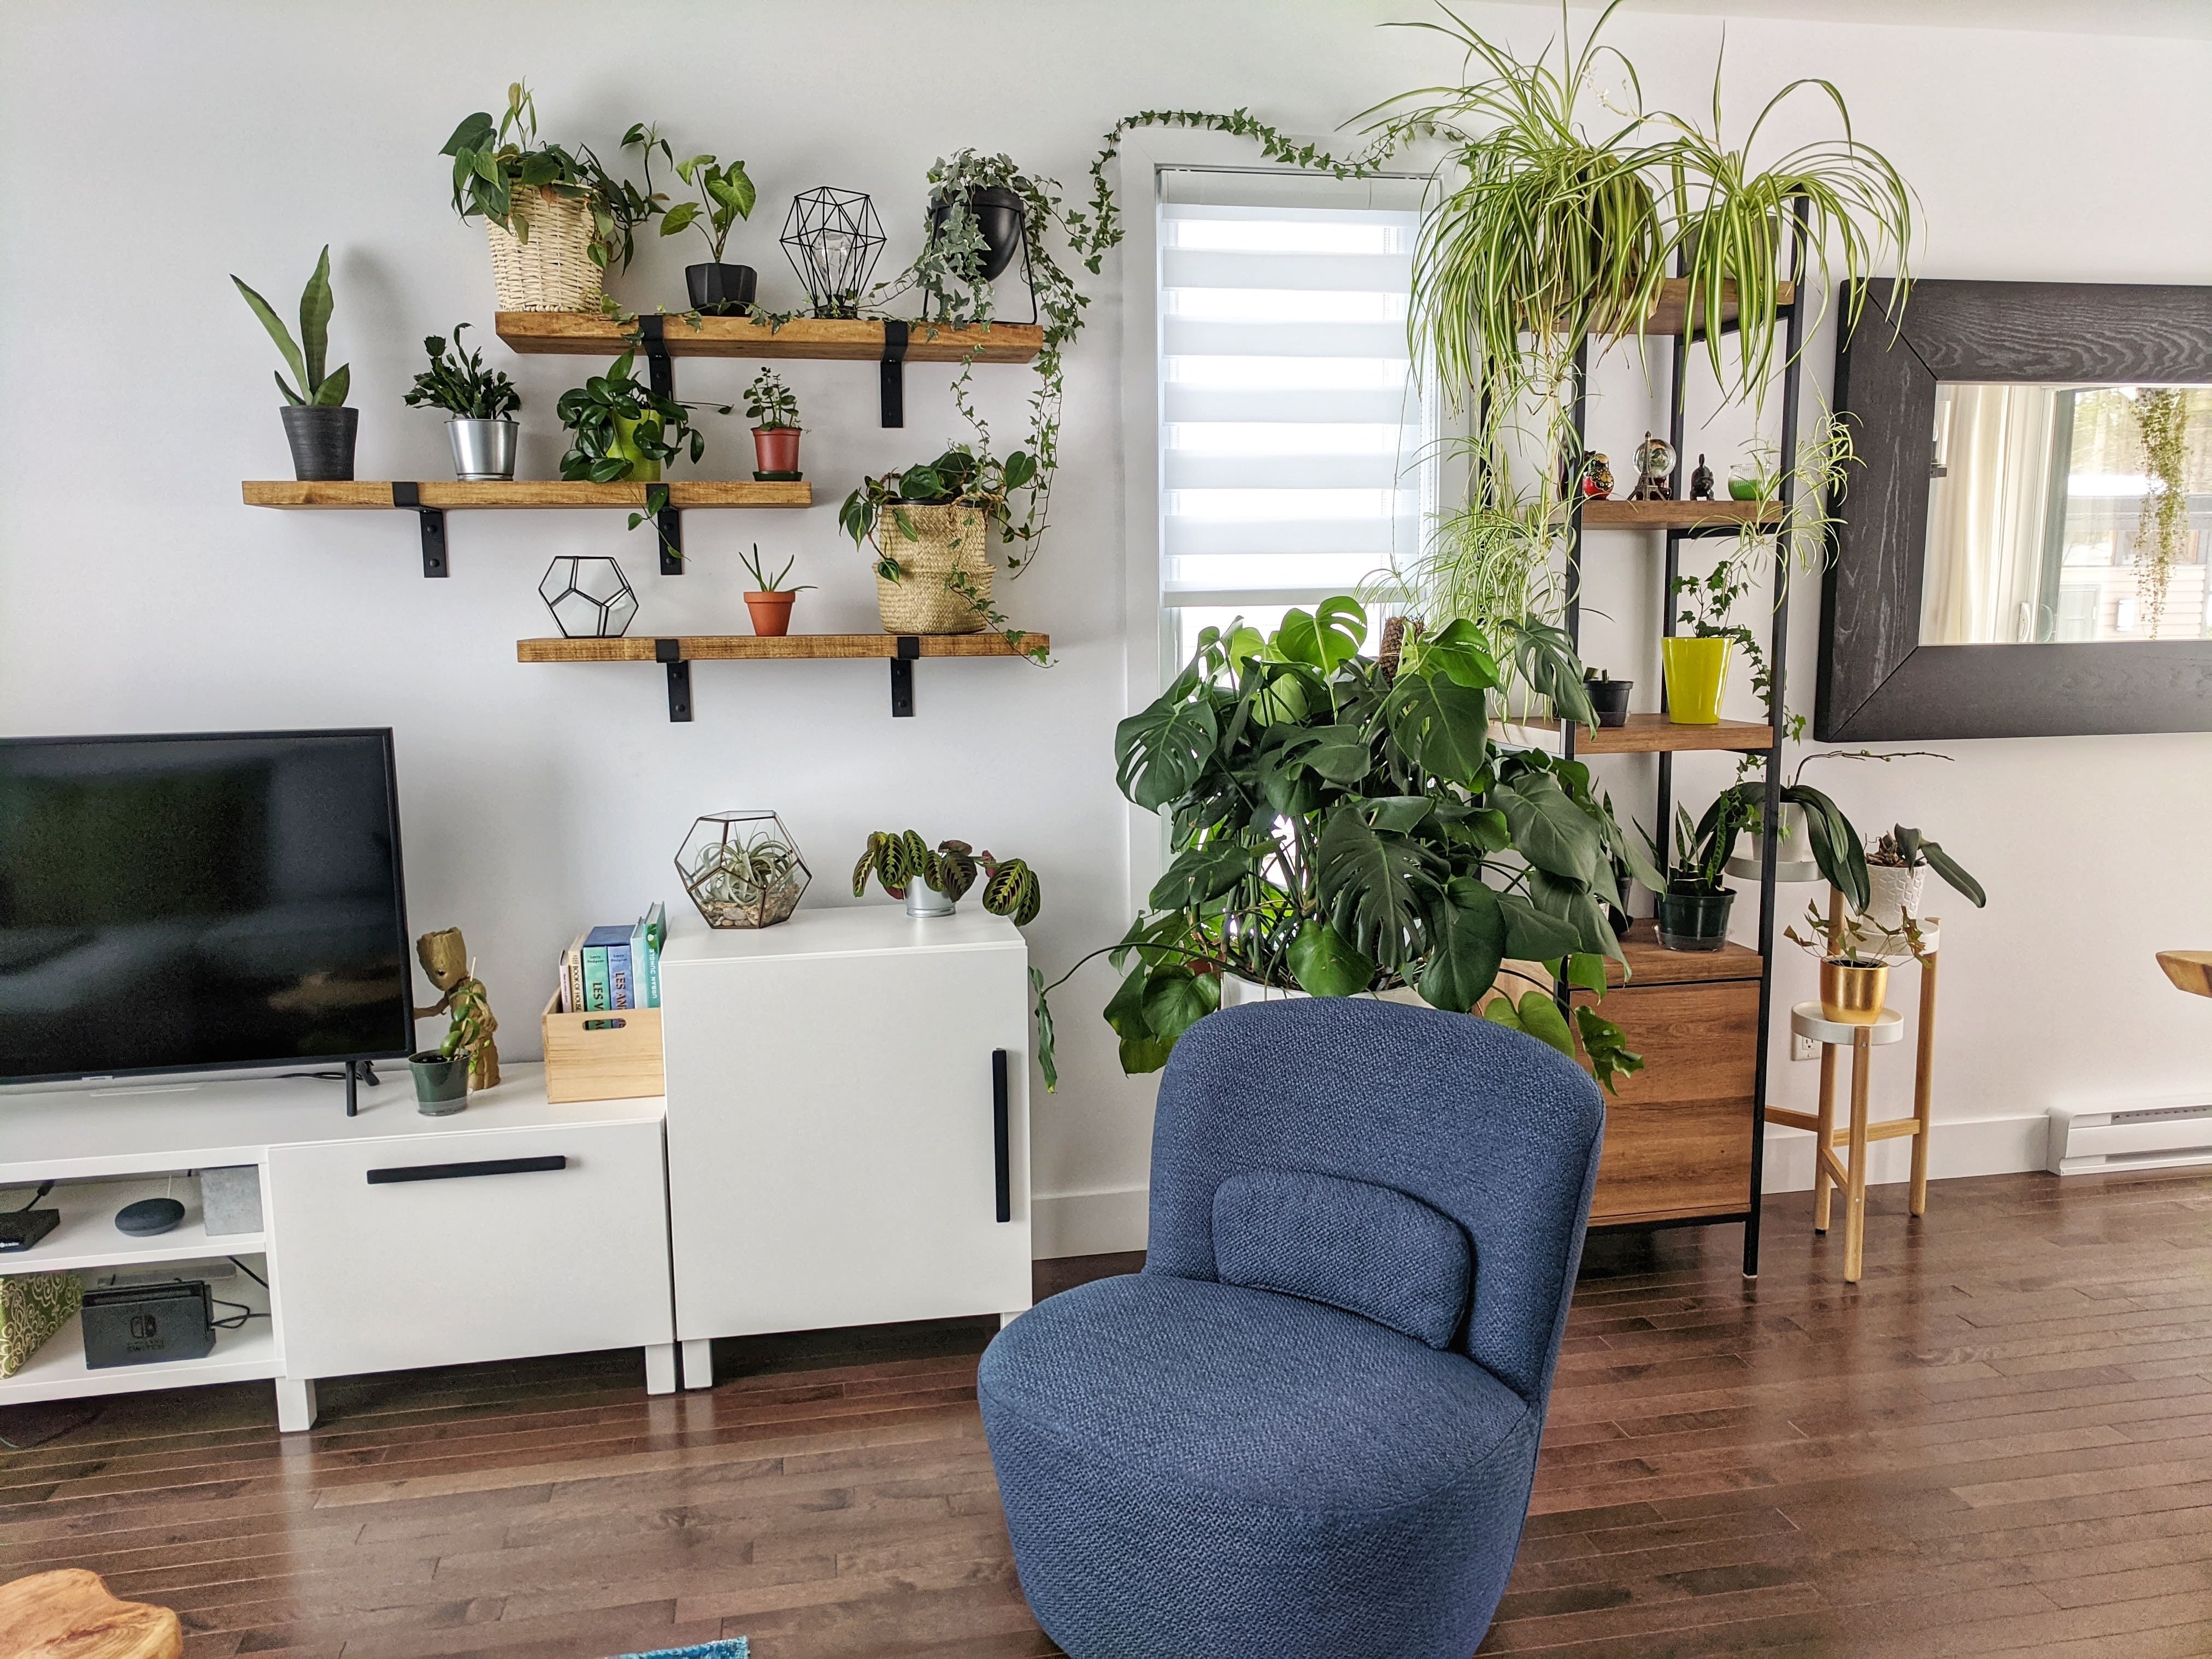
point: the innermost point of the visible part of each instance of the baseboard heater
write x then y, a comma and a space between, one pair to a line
2151, 1138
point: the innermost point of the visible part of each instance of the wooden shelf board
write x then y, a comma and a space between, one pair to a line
586, 333
790, 647
1651, 963
1675, 516
1651, 734
1668, 315
526, 493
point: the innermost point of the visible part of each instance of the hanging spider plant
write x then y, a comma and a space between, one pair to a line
1554, 231
1731, 225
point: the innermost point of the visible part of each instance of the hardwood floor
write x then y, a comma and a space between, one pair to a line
2000, 1441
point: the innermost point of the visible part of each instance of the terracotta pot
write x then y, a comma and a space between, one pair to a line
1852, 995
775, 448
771, 613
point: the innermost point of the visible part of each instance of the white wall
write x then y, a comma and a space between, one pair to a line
209, 138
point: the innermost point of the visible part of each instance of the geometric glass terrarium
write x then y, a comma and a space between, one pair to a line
590, 598
742, 869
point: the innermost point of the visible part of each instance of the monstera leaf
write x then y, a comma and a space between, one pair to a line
1375, 886
1161, 751
1443, 728
1203, 872
1465, 948
1549, 829
1325, 964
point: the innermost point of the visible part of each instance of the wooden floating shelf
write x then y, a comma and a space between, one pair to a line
1670, 315
676, 654
526, 493
586, 333
1653, 734
1678, 515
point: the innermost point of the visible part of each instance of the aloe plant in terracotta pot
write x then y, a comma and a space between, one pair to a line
770, 601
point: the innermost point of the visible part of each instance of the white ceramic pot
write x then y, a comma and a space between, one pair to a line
1893, 890
1235, 992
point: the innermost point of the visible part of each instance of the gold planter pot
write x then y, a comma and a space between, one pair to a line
1852, 995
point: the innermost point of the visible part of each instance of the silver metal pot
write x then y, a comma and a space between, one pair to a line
923, 900
483, 449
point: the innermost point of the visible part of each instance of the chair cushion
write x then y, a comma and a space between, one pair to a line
1179, 1384
1370, 1250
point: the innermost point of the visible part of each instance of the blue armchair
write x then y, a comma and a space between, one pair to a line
1309, 1426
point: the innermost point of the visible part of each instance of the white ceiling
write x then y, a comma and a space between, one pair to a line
2184, 20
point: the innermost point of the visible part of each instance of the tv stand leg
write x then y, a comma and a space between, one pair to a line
660, 1368
699, 1363
295, 1404
353, 1096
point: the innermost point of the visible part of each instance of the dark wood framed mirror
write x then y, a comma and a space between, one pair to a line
2023, 549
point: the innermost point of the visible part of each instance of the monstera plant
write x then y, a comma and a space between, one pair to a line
1343, 824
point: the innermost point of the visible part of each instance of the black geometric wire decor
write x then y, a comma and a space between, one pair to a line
833, 239
590, 597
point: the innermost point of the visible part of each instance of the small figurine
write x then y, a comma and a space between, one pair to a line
445, 958
1597, 478
1654, 470
1701, 482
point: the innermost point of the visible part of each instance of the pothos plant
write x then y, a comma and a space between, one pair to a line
616, 425
1340, 826
898, 859
963, 475
498, 166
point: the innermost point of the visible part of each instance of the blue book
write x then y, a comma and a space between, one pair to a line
598, 988
622, 990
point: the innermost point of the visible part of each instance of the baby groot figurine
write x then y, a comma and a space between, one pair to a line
445, 958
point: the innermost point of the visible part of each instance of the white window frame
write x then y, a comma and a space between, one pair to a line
1148, 641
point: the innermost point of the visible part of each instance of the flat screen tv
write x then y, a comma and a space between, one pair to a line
201, 902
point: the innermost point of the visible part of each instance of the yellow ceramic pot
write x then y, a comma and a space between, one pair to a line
1696, 671
1853, 995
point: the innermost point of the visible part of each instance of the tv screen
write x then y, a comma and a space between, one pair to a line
194, 903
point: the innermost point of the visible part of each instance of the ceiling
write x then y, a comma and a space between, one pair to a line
2182, 19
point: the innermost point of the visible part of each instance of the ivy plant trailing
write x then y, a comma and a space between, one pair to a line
1344, 825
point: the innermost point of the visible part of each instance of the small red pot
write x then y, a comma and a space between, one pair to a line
775, 448
771, 613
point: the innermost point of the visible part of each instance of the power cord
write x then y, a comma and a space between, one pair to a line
34, 1198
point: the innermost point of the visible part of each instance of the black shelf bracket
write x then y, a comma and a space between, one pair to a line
433, 528
909, 649
894, 373
670, 652
669, 522
659, 371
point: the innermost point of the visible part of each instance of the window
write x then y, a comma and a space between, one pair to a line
1296, 448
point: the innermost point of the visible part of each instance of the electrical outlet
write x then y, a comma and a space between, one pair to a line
1803, 1048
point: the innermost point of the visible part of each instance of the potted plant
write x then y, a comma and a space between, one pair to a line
1691, 909
726, 196
1608, 696
622, 431
773, 409
742, 869
1897, 870
928, 526
482, 430
769, 602
1342, 827
1854, 980
1695, 664
318, 425
932, 883
555, 219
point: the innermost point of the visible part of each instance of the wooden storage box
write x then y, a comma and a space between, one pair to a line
614, 1055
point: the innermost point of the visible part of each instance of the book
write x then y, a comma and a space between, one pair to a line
644, 972
622, 991
572, 976
597, 989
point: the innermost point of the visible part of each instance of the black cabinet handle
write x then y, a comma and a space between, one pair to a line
999, 1147
482, 1166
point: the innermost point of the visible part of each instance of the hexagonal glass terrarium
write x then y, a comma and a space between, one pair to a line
590, 597
742, 869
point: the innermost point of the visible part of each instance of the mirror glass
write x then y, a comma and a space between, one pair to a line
2068, 513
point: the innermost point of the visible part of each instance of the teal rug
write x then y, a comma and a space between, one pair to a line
733, 1649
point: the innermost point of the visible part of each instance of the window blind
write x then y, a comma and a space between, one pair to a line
1292, 429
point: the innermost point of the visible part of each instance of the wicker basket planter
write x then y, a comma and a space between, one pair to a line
945, 540
553, 271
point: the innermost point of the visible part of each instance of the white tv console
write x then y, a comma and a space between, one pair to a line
388, 1240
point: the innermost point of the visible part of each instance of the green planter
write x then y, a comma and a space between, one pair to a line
441, 1082
643, 469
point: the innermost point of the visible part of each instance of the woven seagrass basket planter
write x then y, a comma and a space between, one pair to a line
553, 271
947, 540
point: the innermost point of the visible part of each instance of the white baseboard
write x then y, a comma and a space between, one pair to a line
1097, 1224
1089, 1224
1976, 1147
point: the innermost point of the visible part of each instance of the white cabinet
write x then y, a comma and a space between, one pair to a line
439, 1250
847, 1122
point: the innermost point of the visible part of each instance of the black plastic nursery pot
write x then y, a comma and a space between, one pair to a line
321, 440
1695, 922
719, 288
1609, 699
